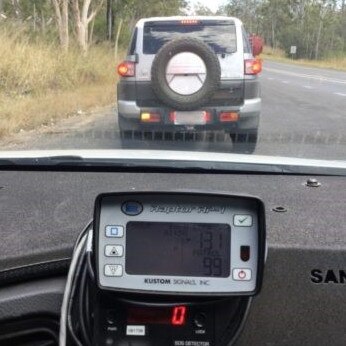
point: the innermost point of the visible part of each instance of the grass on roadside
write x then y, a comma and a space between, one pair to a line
39, 83
31, 112
337, 63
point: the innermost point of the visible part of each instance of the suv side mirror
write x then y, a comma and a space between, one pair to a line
256, 44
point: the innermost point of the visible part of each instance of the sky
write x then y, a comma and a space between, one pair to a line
212, 4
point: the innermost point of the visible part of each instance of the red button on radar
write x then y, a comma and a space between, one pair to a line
241, 275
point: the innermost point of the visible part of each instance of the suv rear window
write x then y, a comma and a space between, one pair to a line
220, 37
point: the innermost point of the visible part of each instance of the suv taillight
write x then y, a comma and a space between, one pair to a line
252, 66
126, 69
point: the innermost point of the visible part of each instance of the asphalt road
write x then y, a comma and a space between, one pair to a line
304, 115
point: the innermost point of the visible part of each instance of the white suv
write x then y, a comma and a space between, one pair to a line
190, 74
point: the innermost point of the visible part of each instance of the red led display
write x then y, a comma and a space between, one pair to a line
175, 316
178, 317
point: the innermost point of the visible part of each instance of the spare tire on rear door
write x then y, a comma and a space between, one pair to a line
185, 74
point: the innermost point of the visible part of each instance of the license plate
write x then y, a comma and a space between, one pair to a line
190, 118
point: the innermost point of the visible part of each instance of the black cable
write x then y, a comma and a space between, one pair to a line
81, 280
87, 312
70, 303
90, 280
88, 297
84, 270
90, 266
82, 296
80, 236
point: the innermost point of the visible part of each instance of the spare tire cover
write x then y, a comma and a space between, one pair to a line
185, 73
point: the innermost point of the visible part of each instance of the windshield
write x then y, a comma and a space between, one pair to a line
255, 78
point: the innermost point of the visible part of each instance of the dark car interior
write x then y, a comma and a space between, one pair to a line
296, 252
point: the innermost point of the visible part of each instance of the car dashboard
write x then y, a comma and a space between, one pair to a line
300, 298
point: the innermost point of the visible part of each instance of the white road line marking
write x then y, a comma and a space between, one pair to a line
340, 94
285, 82
270, 78
310, 76
307, 87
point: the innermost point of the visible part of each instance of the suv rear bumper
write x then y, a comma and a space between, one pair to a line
249, 112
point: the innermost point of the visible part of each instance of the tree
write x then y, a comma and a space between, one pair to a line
201, 10
61, 17
316, 27
82, 20
110, 19
246, 10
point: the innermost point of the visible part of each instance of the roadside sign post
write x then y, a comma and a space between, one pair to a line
293, 51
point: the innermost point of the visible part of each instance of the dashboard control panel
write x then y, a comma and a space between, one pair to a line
179, 243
